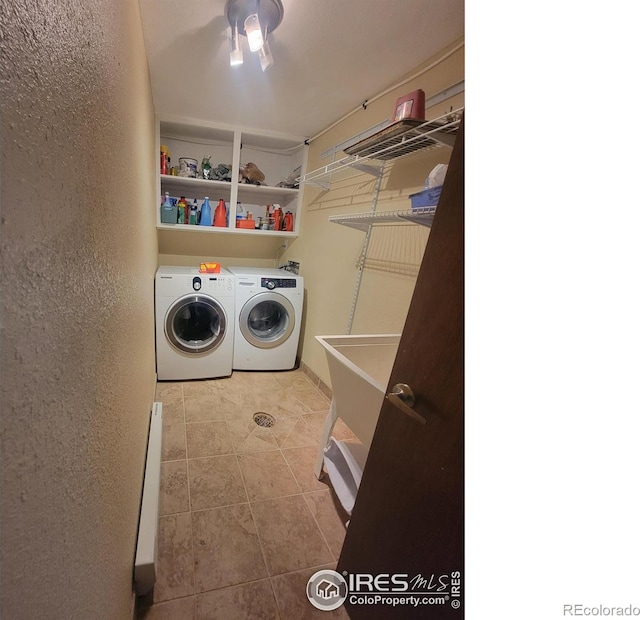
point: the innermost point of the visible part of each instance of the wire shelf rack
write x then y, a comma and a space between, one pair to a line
362, 221
393, 142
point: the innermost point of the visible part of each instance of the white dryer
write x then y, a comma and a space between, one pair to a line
268, 316
194, 323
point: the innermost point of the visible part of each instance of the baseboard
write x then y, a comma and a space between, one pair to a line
317, 381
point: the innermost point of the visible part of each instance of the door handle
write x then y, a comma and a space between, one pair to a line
402, 397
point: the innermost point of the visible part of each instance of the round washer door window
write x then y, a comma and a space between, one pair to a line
196, 324
267, 320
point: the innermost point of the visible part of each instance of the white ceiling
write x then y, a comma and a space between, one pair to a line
330, 55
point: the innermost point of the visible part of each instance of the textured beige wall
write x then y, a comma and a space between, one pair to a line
79, 253
329, 252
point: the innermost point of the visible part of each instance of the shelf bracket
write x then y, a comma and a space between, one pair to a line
326, 185
374, 171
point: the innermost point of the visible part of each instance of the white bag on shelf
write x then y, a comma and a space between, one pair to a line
436, 176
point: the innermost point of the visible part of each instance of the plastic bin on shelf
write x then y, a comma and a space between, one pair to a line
426, 197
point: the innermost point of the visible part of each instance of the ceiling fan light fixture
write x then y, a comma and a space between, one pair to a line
253, 19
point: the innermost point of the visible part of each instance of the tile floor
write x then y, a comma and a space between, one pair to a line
244, 522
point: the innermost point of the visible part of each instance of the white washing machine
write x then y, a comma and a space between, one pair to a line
194, 323
268, 317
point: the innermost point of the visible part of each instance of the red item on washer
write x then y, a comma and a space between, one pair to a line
209, 267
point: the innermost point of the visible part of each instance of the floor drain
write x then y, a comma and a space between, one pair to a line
264, 419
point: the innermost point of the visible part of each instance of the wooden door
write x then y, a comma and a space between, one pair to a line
408, 517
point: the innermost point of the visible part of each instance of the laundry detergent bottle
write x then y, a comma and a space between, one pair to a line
205, 213
168, 211
220, 218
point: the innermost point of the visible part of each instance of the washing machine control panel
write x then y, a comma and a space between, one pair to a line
272, 283
212, 284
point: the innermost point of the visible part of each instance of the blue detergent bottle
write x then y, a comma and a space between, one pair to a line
205, 216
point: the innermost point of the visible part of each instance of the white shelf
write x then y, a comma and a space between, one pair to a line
266, 194
362, 221
261, 194
224, 230
276, 155
390, 144
177, 186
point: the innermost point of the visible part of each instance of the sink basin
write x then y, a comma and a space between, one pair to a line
360, 367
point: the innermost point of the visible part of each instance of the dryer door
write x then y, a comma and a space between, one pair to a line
195, 324
267, 320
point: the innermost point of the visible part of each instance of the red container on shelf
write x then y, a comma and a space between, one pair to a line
288, 221
410, 106
278, 219
248, 224
220, 216
164, 160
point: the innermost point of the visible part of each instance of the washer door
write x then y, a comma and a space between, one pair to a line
267, 320
195, 324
